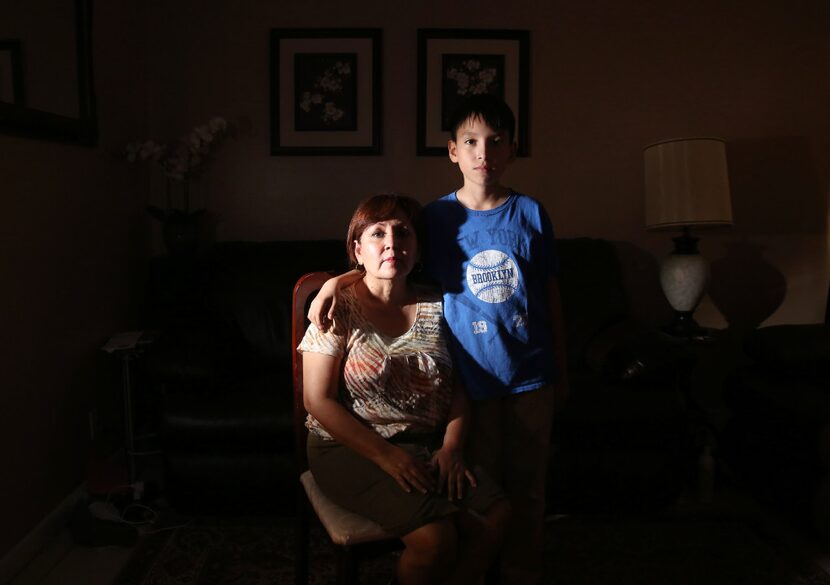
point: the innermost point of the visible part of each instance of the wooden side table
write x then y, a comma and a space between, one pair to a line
715, 357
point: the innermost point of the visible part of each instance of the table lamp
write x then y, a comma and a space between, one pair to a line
687, 186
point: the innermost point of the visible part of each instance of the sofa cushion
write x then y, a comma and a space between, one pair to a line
247, 414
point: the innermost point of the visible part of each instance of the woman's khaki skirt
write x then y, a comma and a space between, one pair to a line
357, 484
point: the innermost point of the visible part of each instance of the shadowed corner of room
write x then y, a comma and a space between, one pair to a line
776, 191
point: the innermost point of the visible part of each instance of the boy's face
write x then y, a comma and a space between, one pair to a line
481, 153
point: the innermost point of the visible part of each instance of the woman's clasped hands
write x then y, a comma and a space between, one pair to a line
446, 471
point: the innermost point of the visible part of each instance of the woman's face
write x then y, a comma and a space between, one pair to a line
388, 249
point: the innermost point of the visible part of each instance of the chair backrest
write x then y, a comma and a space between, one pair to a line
307, 286
827, 311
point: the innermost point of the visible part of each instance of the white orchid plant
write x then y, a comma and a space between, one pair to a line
180, 161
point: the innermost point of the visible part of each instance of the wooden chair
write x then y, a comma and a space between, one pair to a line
353, 536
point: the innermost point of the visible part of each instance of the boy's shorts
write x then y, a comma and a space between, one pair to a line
357, 484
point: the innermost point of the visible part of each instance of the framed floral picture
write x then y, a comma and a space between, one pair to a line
11, 73
325, 91
454, 64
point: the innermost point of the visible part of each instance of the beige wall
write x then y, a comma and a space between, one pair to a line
70, 226
607, 78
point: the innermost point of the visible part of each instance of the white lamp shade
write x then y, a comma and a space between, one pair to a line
687, 184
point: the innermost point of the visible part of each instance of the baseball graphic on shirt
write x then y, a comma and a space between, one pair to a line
492, 276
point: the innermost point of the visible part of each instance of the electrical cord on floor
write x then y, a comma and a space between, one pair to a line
151, 519
108, 511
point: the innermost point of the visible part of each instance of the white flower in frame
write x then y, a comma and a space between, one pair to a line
331, 113
305, 101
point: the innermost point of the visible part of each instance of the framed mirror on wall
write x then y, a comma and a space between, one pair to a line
46, 84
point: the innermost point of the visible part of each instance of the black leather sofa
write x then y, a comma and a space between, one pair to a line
223, 362
777, 440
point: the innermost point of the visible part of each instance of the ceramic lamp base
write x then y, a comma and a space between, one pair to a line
683, 276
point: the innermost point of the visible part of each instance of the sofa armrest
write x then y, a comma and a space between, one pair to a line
799, 351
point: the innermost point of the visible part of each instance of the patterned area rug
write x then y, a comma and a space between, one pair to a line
259, 551
237, 551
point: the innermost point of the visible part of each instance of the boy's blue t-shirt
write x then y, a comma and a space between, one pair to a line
493, 267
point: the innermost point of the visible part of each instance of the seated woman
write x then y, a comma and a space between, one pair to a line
388, 444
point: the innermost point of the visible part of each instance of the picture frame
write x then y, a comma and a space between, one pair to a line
11, 73
454, 63
326, 94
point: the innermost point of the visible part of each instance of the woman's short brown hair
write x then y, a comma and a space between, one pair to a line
381, 208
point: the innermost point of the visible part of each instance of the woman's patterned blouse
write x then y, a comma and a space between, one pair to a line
392, 384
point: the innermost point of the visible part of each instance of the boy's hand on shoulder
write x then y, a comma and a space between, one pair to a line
321, 310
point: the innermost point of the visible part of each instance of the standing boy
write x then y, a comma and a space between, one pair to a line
493, 252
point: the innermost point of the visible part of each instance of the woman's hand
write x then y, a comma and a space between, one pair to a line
408, 471
452, 471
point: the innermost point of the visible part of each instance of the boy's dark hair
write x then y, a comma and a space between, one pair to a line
492, 110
